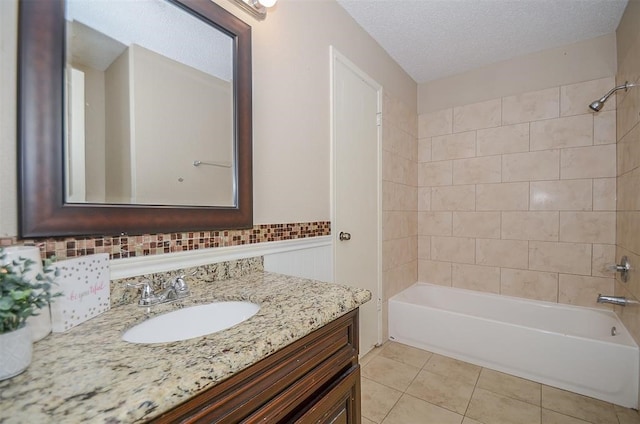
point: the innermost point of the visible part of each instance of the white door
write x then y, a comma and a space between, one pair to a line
356, 115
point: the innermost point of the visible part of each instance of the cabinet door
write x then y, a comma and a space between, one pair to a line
340, 405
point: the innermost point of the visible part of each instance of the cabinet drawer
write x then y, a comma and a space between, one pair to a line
332, 348
305, 392
340, 404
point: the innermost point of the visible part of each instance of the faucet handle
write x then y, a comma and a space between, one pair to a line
146, 291
179, 285
145, 287
174, 282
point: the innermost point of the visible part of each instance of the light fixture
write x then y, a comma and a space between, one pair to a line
257, 8
267, 3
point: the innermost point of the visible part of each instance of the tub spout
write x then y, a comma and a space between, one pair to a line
616, 300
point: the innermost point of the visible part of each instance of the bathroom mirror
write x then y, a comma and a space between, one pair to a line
129, 131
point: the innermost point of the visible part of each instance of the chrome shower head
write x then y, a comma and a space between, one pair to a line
598, 104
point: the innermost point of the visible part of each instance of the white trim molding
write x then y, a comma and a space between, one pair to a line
140, 265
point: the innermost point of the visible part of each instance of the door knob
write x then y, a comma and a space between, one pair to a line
344, 236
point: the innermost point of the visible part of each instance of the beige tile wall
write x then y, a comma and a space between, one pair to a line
628, 164
399, 200
516, 195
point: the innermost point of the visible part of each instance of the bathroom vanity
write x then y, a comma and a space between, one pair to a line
296, 360
315, 379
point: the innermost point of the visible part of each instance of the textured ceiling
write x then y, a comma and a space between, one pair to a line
432, 39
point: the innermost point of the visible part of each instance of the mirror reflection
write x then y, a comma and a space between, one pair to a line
149, 106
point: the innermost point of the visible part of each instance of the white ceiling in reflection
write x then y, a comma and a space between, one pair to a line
158, 26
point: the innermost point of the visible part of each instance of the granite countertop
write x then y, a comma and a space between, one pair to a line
88, 374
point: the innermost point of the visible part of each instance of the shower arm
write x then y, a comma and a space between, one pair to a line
624, 86
597, 105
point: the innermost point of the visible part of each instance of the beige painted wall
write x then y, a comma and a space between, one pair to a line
94, 139
118, 132
628, 166
290, 107
8, 51
583, 61
291, 103
174, 105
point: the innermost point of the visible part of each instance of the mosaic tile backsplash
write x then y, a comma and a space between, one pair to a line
155, 244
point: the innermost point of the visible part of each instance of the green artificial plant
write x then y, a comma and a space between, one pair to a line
20, 297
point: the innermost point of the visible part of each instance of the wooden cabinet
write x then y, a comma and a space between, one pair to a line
314, 380
340, 405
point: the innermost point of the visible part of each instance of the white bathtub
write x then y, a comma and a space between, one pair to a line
559, 345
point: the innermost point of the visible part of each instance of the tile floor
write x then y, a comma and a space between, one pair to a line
405, 385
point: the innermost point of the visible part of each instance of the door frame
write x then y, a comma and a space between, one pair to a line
336, 56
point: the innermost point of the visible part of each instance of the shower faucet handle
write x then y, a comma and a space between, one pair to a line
623, 269
624, 266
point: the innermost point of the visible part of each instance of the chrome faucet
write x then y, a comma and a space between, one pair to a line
174, 289
615, 300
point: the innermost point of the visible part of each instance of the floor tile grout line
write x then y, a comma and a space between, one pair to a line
394, 404
384, 385
431, 403
568, 415
431, 354
510, 395
404, 392
472, 393
413, 379
401, 363
391, 409
469, 403
571, 414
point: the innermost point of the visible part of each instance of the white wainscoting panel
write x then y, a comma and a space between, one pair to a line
318, 247
314, 262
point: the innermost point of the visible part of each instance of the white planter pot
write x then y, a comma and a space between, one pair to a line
40, 324
15, 352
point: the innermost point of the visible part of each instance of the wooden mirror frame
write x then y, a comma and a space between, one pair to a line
42, 207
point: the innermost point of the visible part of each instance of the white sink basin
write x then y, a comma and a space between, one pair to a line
194, 321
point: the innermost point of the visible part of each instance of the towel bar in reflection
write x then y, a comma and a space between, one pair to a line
219, 164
